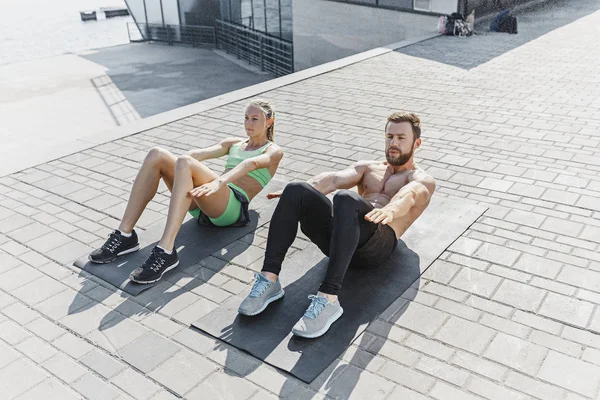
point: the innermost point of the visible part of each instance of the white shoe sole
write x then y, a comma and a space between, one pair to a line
131, 250
323, 330
157, 279
269, 301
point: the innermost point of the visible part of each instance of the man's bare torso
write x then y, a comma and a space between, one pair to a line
379, 184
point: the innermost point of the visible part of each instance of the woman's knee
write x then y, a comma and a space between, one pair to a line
156, 156
184, 162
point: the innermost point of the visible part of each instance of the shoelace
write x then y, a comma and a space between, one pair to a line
112, 243
316, 306
154, 262
260, 285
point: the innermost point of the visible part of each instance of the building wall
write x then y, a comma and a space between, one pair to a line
486, 7
324, 30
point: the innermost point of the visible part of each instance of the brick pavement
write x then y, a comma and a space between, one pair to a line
510, 310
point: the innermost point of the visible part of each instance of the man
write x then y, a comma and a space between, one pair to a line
358, 227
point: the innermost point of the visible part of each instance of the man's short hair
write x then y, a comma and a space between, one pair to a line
409, 117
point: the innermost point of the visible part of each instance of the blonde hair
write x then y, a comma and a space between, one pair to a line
402, 116
269, 112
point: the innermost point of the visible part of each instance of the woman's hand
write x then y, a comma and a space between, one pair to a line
380, 215
274, 195
207, 189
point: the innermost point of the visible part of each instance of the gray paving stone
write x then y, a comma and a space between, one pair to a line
18, 276
532, 387
459, 310
445, 291
164, 395
430, 347
20, 313
591, 355
38, 290
8, 262
135, 384
537, 322
36, 349
196, 341
407, 377
496, 254
420, 319
101, 363
479, 365
34, 259
50, 389
12, 333
94, 388
443, 391
359, 384
442, 371
567, 309
401, 392
465, 246
195, 311
89, 318
19, 377
64, 368
519, 295
516, 353
148, 352
182, 372
477, 282
72, 345
69, 252
505, 325
14, 248
493, 391
538, 266
556, 343
14, 222
570, 373
63, 304
119, 332
50, 241
465, 335
580, 277
7, 355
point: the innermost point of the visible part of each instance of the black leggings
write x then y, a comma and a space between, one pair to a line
338, 229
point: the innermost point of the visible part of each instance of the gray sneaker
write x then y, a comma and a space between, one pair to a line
318, 317
263, 293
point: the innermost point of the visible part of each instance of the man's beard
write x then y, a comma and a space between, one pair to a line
401, 159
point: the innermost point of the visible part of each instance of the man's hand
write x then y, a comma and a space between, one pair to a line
274, 195
380, 215
207, 189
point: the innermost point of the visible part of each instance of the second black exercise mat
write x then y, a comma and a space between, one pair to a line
366, 293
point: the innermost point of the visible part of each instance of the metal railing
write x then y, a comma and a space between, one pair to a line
188, 34
270, 53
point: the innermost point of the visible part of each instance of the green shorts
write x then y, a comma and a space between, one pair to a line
230, 216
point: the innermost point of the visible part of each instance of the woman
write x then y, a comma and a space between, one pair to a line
213, 199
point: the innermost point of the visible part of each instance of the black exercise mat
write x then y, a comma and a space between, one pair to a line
367, 292
194, 243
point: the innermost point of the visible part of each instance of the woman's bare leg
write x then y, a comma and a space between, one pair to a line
190, 173
159, 163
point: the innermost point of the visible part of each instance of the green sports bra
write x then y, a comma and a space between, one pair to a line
237, 155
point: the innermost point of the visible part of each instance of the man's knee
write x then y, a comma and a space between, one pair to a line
345, 198
296, 189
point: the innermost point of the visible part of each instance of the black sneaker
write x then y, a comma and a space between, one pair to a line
155, 266
116, 245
